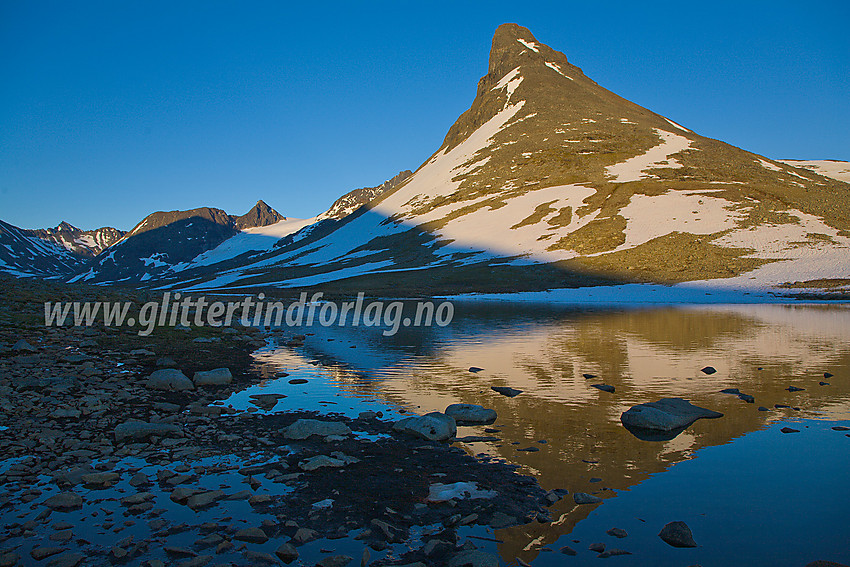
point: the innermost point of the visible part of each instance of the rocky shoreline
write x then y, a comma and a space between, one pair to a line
103, 466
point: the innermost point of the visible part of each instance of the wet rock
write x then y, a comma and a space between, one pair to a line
585, 498
823, 383
475, 369
216, 377
506, 391
9, 559
166, 361
603, 387
567, 550
471, 414
100, 480
260, 558
251, 535
205, 499
137, 430
304, 535
747, 398
677, 534
762, 408
613, 552
597, 547
841, 428
789, 430
287, 553
666, 414
169, 380
136, 499
297, 381
433, 426
320, 461
708, 370
304, 428
473, 558
617, 532
39, 553
335, 561
794, 389
827, 375
64, 501
501, 520
23, 346
67, 560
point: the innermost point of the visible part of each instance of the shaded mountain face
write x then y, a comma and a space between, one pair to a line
24, 254
550, 180
86, 243
163, 240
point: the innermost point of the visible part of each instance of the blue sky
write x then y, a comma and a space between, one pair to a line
112, 110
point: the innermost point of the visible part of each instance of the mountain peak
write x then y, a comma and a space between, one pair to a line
514, 45
260, 215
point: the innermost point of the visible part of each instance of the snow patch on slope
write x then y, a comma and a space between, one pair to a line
656, 157
838, 170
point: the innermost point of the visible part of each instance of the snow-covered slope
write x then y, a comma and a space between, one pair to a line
833, 168
23, 254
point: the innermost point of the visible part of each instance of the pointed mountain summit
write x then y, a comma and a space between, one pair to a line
260, 215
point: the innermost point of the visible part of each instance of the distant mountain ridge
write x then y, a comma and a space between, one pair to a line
86, 243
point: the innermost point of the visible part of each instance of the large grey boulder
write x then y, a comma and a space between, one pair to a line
677, 534
471, 414
304, 428
216, 377
667, 414
169, 380
433, 426
137, 430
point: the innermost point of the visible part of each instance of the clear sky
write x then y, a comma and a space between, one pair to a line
112, 110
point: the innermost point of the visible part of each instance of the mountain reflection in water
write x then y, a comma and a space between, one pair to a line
646, 354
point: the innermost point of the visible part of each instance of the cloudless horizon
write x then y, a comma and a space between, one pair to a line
110, 111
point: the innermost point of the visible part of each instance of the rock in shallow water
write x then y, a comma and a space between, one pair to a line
667, 414
304, 428
433, 426
215, 377
471, 414
677, 534
169, 380
506, 391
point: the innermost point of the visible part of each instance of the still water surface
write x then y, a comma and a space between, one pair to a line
750, 493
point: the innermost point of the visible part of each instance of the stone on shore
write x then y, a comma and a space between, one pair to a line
585, 498
169, 380
64, 501
215, 377
135, 429
471, 414
666, 414
304, 428
433, 426
677, 534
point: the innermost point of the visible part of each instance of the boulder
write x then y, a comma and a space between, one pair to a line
304, 428
471, 414
135, 429
585, 498
23, 346
216, 377
64, 501
677, 534
433, 426
667, 414
169, 380
506, 391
